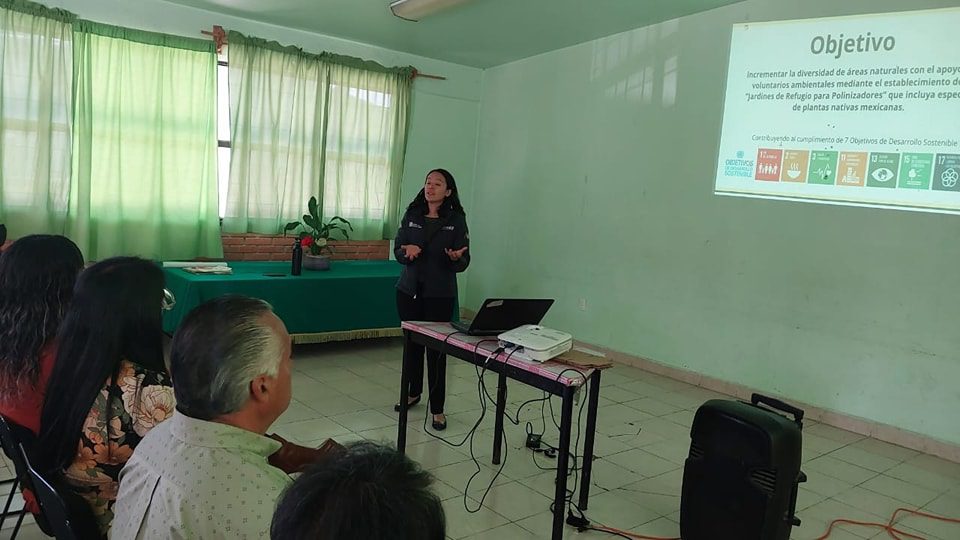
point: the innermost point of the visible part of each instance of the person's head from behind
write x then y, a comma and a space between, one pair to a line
438, 188
368, 491
37, 275
115, 315
230, 363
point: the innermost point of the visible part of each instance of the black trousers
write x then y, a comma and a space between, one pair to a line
425, 309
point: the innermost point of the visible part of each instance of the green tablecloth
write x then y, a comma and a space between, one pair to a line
353, 300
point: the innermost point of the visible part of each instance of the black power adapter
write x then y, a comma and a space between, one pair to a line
581, 523
533, 441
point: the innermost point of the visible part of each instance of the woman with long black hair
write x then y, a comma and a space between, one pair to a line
37, 274
432, 245
109, 384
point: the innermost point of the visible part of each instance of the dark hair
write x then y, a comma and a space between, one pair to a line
37, 274
450, 204
115, 316
218, 349
369, 491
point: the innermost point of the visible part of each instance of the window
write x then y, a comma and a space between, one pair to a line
357, 170
223, 128
307, 127
35, 113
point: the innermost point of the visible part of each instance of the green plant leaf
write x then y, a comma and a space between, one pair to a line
312, 207
312, 222
290, 226
338, 218
341, 230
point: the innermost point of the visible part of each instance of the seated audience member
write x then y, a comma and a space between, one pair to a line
37, 274
210, 472
109, 385
368, 491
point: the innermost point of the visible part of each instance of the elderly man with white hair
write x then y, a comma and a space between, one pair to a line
209, 471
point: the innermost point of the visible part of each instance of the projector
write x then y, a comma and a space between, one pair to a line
536, 343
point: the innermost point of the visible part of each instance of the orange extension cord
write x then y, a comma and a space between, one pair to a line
888, 526
628, 534
891, 530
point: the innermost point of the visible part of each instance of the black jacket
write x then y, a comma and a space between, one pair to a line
432, 274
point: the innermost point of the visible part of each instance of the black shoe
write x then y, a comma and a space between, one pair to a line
396, 407
439, 426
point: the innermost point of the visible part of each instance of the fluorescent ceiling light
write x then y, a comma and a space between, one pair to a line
414, 10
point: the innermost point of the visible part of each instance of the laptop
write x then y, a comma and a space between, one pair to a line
499, 315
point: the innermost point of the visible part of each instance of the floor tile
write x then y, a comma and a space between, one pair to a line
347, 390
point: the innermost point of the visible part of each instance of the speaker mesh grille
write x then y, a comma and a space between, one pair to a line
765, 479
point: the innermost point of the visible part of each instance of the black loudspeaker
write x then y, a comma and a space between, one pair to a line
740, 479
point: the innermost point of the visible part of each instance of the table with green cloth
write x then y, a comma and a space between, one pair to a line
352, 300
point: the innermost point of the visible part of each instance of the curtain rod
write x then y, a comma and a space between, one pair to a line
219, 36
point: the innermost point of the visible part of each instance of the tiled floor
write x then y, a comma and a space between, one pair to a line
347, 391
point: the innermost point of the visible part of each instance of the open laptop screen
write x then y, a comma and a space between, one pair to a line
498, 315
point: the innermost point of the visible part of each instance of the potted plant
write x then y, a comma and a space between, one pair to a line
315, 235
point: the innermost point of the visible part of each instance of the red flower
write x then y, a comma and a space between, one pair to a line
306, 241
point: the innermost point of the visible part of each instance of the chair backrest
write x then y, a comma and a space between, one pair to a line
68, 515
52, 505
15, 439
11, 437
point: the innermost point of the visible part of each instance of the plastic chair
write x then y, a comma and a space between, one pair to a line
10, 437
67, 514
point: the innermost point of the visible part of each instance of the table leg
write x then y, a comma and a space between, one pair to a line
563, 460
404, 390
588, 441
498, 424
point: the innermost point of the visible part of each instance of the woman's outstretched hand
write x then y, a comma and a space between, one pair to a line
455, 254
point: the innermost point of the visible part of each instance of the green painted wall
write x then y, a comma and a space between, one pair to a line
594, 186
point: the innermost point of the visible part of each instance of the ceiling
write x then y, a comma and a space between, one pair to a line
479, 33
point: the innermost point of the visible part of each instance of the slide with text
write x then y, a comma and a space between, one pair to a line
861, 110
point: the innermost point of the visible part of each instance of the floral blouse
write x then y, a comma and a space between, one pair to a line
124, 411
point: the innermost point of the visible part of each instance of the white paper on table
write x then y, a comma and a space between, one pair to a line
192, 264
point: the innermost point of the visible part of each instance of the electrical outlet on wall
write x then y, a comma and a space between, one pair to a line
582, 304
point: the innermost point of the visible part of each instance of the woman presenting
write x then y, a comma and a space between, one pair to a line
432, 247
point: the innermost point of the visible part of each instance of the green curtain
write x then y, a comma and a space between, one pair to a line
144, 151
366, 142
276, 136
36, 63
314, 124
